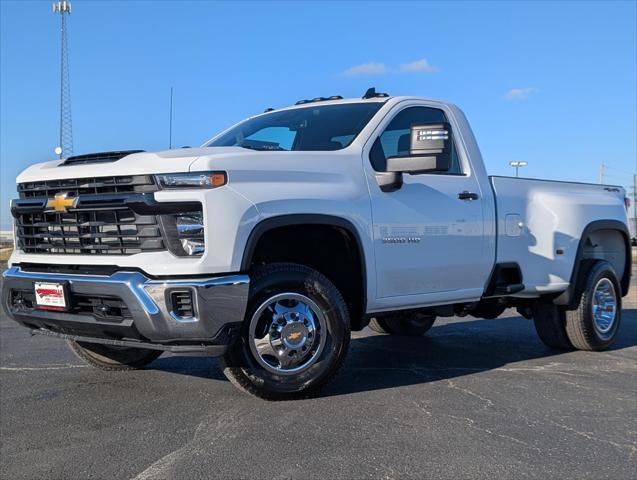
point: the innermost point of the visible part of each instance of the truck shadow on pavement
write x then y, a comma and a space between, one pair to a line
451, 349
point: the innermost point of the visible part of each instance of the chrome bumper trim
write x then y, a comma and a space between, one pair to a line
135, 281
220, 302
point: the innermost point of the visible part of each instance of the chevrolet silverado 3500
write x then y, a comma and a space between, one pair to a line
270, 243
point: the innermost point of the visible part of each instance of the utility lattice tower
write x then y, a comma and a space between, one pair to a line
65, 147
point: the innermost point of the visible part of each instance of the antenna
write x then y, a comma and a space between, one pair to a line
65, 148
372, 93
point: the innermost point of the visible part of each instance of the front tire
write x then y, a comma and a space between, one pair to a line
113, 358
593, 325
295, 335
409, 324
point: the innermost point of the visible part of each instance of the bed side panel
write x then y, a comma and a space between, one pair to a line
540, 224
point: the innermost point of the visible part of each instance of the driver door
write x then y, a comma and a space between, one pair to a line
429, 244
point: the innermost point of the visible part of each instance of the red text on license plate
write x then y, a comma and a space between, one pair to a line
50, 296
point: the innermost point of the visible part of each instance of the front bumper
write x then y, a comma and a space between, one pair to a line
151, 321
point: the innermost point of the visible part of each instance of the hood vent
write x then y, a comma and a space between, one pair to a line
104, 157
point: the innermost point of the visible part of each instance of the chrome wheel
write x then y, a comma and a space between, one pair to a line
604, 306
287, 333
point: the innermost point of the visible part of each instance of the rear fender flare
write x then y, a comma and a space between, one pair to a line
570, 297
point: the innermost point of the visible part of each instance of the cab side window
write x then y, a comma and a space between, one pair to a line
396, 137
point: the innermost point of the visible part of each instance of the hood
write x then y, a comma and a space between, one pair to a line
142, 163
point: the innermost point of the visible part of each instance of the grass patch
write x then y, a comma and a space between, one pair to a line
5, 253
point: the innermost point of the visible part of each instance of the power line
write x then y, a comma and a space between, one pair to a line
618, 169
603, 172
616, 175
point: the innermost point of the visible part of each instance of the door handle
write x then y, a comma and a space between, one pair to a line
467, 195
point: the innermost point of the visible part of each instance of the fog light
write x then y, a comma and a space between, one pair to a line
189, 224
190, 232
193, 247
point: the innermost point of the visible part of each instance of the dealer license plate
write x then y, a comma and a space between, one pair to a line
50, 296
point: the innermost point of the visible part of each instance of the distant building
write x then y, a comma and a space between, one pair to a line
6, 237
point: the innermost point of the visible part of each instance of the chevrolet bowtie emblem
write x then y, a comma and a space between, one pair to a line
60, 203
294, 336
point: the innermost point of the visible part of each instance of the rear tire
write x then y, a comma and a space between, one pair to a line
378, 325
593, 325
550, 324
113, 358
295, 335
408, 324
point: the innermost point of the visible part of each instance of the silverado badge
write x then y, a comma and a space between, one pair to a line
60, 203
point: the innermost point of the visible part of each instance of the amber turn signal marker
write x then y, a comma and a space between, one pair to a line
217, 179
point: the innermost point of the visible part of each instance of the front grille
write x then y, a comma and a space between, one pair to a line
118, 232
90, 185
105, 308
103, 270
102, 222
108, 308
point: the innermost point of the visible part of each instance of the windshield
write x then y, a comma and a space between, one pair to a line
315, 128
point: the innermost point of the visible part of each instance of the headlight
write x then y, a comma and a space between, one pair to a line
169, 181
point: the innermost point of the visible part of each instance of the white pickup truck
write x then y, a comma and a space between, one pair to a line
270, 243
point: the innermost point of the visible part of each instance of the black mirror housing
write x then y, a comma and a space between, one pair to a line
389, 181
430, 150
419, 164
430, 139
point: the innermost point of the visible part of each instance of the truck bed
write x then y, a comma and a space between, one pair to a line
540, 223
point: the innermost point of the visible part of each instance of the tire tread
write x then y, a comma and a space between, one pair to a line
378, 325
579, 323
235, 374
549, 323
112, 365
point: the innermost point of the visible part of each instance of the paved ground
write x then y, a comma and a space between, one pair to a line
475, 399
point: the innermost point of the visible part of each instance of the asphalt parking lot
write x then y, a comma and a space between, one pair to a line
473, 399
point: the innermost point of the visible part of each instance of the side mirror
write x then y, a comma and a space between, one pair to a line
389, 181
430, 150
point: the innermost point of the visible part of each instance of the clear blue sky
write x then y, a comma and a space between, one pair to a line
553, 84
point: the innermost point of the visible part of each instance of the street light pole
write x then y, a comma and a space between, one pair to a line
601, 173
170, 122
635, 198
517, 166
